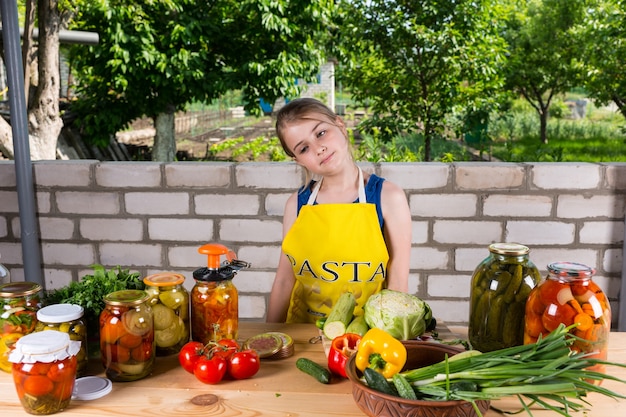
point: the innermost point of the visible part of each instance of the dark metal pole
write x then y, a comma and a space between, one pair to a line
621, 317
31, 252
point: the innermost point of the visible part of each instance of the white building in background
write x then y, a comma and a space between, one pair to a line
322, 89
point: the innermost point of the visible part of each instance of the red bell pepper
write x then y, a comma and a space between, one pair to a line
341, 348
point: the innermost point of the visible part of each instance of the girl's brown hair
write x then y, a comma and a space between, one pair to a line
298, 109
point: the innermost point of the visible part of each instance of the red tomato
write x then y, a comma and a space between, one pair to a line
244, 364
189, 355
37, 385
143, 352
116, 353
62, 371
226, 348
210, 370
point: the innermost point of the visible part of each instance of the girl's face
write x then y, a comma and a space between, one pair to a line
319, 145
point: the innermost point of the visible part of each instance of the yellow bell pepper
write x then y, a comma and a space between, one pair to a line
380, 351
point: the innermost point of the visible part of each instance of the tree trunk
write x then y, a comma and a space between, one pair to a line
164, 149
543, 125
44, 119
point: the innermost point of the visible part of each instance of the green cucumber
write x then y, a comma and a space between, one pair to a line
405, 390
378, 382
314, 369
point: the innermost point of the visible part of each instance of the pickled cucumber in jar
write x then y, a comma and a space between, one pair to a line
500, 286
170, 307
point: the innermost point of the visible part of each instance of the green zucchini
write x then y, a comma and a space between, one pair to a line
340, 316
378, 382
405, 390
358, 326
314, 369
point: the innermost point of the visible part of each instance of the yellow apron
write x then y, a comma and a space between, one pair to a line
334, 248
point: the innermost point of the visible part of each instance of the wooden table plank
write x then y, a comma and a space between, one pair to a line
278, 389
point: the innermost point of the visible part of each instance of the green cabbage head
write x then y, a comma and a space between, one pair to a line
402, 315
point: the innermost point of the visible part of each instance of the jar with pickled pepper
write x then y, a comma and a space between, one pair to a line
19, 303
66, 318
44, 371
170, 308
500, 286
569, 296
214, 298
127, 335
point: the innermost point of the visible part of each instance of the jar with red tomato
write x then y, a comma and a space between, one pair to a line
214, 298
19, 303
569, 296
127, 344
44, 371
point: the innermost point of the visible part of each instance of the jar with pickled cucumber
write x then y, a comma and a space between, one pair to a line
19, 303
44, 371
569, 296
170, 307
127, 345
67, 318
500, 286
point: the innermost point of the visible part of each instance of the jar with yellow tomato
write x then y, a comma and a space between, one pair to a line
570, 297
19, 303
127, 343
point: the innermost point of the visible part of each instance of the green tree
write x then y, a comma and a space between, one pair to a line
415, 62
544, 52
604, 32
155, 57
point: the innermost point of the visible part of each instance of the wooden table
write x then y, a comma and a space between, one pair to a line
279, 389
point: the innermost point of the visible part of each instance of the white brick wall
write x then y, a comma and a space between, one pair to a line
151, 217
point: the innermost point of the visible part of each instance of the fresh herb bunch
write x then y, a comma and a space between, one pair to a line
546, 373
89, 292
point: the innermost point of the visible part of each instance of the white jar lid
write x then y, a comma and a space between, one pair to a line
46, 346
91, 388
60, 313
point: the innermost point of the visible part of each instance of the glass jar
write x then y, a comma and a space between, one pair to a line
5, 276
569, 296
44, 371
169, 301
214, 298
500, 286
19, 302
214, 311
66, 318
127, 344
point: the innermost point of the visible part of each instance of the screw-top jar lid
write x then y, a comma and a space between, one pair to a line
126, 297
60, 313
19, 289
570, 270
91, 388
47, 346
510, 249
164, 279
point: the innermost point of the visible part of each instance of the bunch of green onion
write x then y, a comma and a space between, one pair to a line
546, 373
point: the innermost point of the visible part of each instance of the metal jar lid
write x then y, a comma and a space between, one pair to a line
19, 289
60, 313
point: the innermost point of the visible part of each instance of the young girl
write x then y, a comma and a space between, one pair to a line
344, 231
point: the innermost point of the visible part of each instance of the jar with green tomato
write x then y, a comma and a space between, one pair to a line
500, 286
67, 318
170, 307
